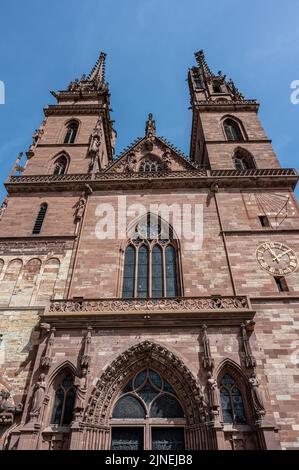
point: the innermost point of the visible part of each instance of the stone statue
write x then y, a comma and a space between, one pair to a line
256, 396
95, 143
213, 391
80, 207
3, 207
167, 160
131, 162
38, 397
150, 129
81, 390
7, 404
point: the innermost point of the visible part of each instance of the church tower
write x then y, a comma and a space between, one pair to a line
150, 300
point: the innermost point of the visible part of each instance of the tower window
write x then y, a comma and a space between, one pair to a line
60, 165
243, 160
71, 133
264, 221
40, 219
232, 131
281, 284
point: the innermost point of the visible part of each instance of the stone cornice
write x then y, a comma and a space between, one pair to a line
72, 109
189, 179
263, 231
210, 106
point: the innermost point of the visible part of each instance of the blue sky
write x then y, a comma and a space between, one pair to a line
150, 46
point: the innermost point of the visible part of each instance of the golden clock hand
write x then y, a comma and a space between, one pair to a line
275, 258
283, 254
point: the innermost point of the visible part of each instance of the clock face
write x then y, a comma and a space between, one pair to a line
277, 259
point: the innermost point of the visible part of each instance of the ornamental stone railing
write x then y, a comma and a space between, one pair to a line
184, 304
254, 172
112, 176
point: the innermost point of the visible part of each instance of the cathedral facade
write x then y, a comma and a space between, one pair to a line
149, 301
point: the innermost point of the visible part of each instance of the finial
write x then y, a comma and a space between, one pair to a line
201, 60
150, 129
98, 72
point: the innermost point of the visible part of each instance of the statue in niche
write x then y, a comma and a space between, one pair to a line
39, 395
256, 396
95, 143
81, 390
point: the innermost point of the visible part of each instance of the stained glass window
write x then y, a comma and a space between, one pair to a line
171, 275
166, 406
129, 273
128, 407
231, 401
157, 395
157, 272
143, 265
158, 278
64, 402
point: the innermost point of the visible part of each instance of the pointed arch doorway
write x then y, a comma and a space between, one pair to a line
147, 399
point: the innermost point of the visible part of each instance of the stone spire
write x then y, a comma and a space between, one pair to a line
202, 63
150, 128
98, 72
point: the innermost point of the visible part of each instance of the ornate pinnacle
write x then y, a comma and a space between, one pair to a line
201, 60
98, 72
150, 128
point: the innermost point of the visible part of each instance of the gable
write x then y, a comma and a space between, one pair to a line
151, 153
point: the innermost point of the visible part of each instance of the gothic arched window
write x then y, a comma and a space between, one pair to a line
60, 165
40, 219
151, 262
232, 130
64, 401
71, 132
149, 400
243, 160
151, 165
231, 401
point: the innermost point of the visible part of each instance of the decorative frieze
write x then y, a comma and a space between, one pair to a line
191, 304
31, 246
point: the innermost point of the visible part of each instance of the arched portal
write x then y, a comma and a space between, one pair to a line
147, 399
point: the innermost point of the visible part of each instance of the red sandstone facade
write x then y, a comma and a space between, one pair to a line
225, 344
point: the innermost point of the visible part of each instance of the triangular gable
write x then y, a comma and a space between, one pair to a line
149, 149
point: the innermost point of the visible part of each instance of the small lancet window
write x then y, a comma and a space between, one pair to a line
71, 133
64, 402
60, 165
232, 130
40, 219
231, 401
243, 160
